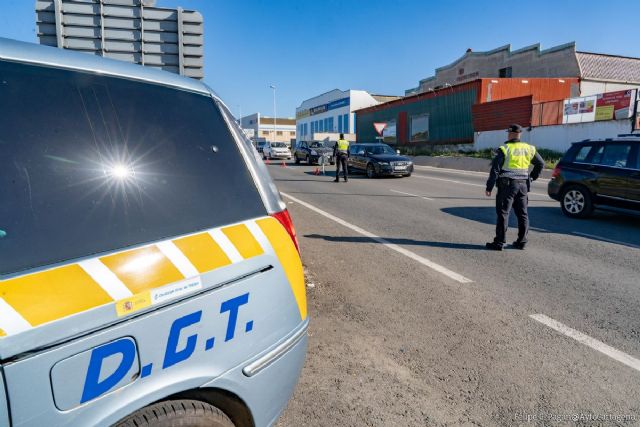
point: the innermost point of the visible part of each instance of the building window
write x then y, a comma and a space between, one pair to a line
265, 132
320, 126
419, 128
506, 72
345, 125
340, 124
330, 127
292, 133
279, 133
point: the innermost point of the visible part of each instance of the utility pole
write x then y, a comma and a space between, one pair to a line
274, 112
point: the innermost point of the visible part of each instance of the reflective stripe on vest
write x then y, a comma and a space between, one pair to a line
517, 158
343, 145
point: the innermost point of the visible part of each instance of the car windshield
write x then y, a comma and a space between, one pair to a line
279, 145
317, 145
380, 149
261, 144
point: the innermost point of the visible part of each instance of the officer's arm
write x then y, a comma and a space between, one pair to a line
538, 165
495, 170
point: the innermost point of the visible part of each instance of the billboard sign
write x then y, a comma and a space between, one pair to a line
615, 105
579, 110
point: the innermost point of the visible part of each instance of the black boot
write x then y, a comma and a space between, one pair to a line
519, 245
493, 246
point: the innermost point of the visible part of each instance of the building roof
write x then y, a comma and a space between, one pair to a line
385, 98
608, 67
18, 51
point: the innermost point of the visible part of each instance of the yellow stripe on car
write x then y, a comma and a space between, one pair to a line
142, 269
289, 258
2, 333
53, 294
243, 240
203, 252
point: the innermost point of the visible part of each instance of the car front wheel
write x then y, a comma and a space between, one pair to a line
576, 202
177, 413
371, 171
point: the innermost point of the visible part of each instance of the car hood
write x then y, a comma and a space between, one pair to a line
389, 158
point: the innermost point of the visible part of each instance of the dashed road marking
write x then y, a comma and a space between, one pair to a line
467, 183
593, 343
411, 194
462, 172
424, 261
617, 242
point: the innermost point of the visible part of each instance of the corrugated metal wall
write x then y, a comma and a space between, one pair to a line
542, 89
500, 114
547, 113
128, 30
450, 120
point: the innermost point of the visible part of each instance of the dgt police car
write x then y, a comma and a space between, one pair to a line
149, 271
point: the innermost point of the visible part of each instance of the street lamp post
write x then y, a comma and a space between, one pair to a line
274, 112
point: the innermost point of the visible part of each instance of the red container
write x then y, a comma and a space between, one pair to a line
541, 89
500, 114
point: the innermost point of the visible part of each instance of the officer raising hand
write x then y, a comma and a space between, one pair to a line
510, 169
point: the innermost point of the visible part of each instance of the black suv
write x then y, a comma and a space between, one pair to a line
378, 160
311, 152
598, 173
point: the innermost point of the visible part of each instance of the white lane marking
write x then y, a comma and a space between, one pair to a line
412, 195
466, 183
226, 245
593, 236
461, 172
437, 267
175, 255
11, 322
260, 236
105, 278
593, 343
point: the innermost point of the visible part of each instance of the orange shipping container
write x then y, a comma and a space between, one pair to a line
541, 89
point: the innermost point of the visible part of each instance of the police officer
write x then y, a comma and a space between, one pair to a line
510, 168
341, 154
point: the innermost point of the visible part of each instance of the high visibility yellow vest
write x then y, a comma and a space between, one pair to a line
517, 158
343, 145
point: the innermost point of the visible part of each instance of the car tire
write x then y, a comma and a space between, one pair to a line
297, 159
408, 175
308, 160
576, 202
371, 171
177, 413
332, 163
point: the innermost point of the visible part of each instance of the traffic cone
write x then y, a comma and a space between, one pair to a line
283, 165
317, 171
266, 161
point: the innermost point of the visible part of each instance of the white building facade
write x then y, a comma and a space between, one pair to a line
263, 128
332, 113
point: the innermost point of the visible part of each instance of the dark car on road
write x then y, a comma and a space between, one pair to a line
378, 160
597, 173
311, 152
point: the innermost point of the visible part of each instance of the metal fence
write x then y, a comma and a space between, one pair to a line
128, 30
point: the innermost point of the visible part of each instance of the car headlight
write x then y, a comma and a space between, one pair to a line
314, 153
383, 163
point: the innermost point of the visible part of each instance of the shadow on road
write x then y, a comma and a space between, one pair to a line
603, 226
397, 241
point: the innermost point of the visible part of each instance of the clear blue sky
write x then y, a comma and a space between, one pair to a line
307, 47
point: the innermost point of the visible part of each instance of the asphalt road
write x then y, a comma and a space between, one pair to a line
414, 323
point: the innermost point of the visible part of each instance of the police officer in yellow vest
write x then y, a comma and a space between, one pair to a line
341, 153
510, 168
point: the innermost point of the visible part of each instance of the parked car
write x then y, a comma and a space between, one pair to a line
149, 270
598, 173
311, 152
260, 146
276, 150
378, 160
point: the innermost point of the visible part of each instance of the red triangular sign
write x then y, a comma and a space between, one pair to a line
379, 127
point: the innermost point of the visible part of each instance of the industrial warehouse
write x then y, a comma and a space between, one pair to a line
485, 91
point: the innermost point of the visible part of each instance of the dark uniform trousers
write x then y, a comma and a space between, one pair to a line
341, 159
512, 193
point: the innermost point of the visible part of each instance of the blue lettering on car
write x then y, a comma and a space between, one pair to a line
126, 348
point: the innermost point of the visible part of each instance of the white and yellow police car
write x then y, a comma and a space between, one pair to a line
149, 271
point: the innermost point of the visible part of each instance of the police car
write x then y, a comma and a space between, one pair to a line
149, 271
